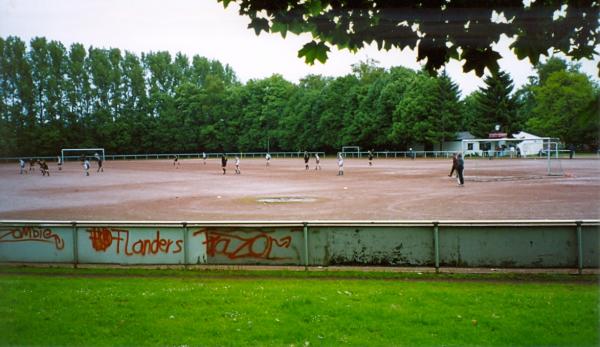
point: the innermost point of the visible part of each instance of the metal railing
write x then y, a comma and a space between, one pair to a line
562, 154
436, 237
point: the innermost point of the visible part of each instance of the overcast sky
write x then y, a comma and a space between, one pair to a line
204, 28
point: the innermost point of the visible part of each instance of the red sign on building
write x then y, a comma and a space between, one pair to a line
497, 135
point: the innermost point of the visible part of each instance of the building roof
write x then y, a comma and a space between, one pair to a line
521, 135
464, 135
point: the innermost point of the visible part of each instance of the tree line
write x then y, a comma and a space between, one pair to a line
54, 97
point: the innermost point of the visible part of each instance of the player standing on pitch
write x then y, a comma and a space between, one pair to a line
31, 165
176, 161
460, 167
371, 158
306, 158
59, 162
318, 161
44, 168
86, 166
454, 163
224, 163
204, 158
237, 166
268, 158
340, 165
21, 166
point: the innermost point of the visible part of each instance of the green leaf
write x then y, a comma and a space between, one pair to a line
259, 24
314, 7
314, 50
225, 2
280, 28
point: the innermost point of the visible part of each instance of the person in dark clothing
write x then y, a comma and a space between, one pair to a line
224, 163
454, 160
460, 168
44, 168
571, 151
306, 158
31, 165
371, 158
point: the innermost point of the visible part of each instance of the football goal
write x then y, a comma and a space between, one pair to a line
352, 151
76, 153
545, 153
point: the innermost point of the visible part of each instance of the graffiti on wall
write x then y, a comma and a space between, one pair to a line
103, 238
256, 245
32, 234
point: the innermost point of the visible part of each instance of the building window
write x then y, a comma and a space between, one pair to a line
469, 146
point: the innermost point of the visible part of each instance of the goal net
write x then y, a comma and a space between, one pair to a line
351, 151
512, 159
77, 153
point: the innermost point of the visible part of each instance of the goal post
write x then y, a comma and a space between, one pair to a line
545, 148
64, 153
354, 151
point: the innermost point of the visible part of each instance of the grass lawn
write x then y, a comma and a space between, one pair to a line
122, 307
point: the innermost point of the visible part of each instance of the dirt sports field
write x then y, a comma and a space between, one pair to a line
393, 189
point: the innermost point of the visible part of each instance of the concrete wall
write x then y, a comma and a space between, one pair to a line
466, 244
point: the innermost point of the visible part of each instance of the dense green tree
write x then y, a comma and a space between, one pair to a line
52, 98
339, 101
566, 108
415, 116
429, 112
495, 106
449, 110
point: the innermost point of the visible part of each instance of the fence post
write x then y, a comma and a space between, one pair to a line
436, 245
579, 249
305, 224
75, 245
185, 245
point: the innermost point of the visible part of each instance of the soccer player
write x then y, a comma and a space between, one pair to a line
176, 161
306, 158
460, 168
21, 166
59, 162
318, 161
224, 163
237, 166
86, 166
268, 158
100, 167
454, 163
31, 164
44, 168
371, 158
204, 157
340, 165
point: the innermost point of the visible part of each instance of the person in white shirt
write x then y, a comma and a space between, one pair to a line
340, 165
21, 166
86, 166
318, 161
237, 166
